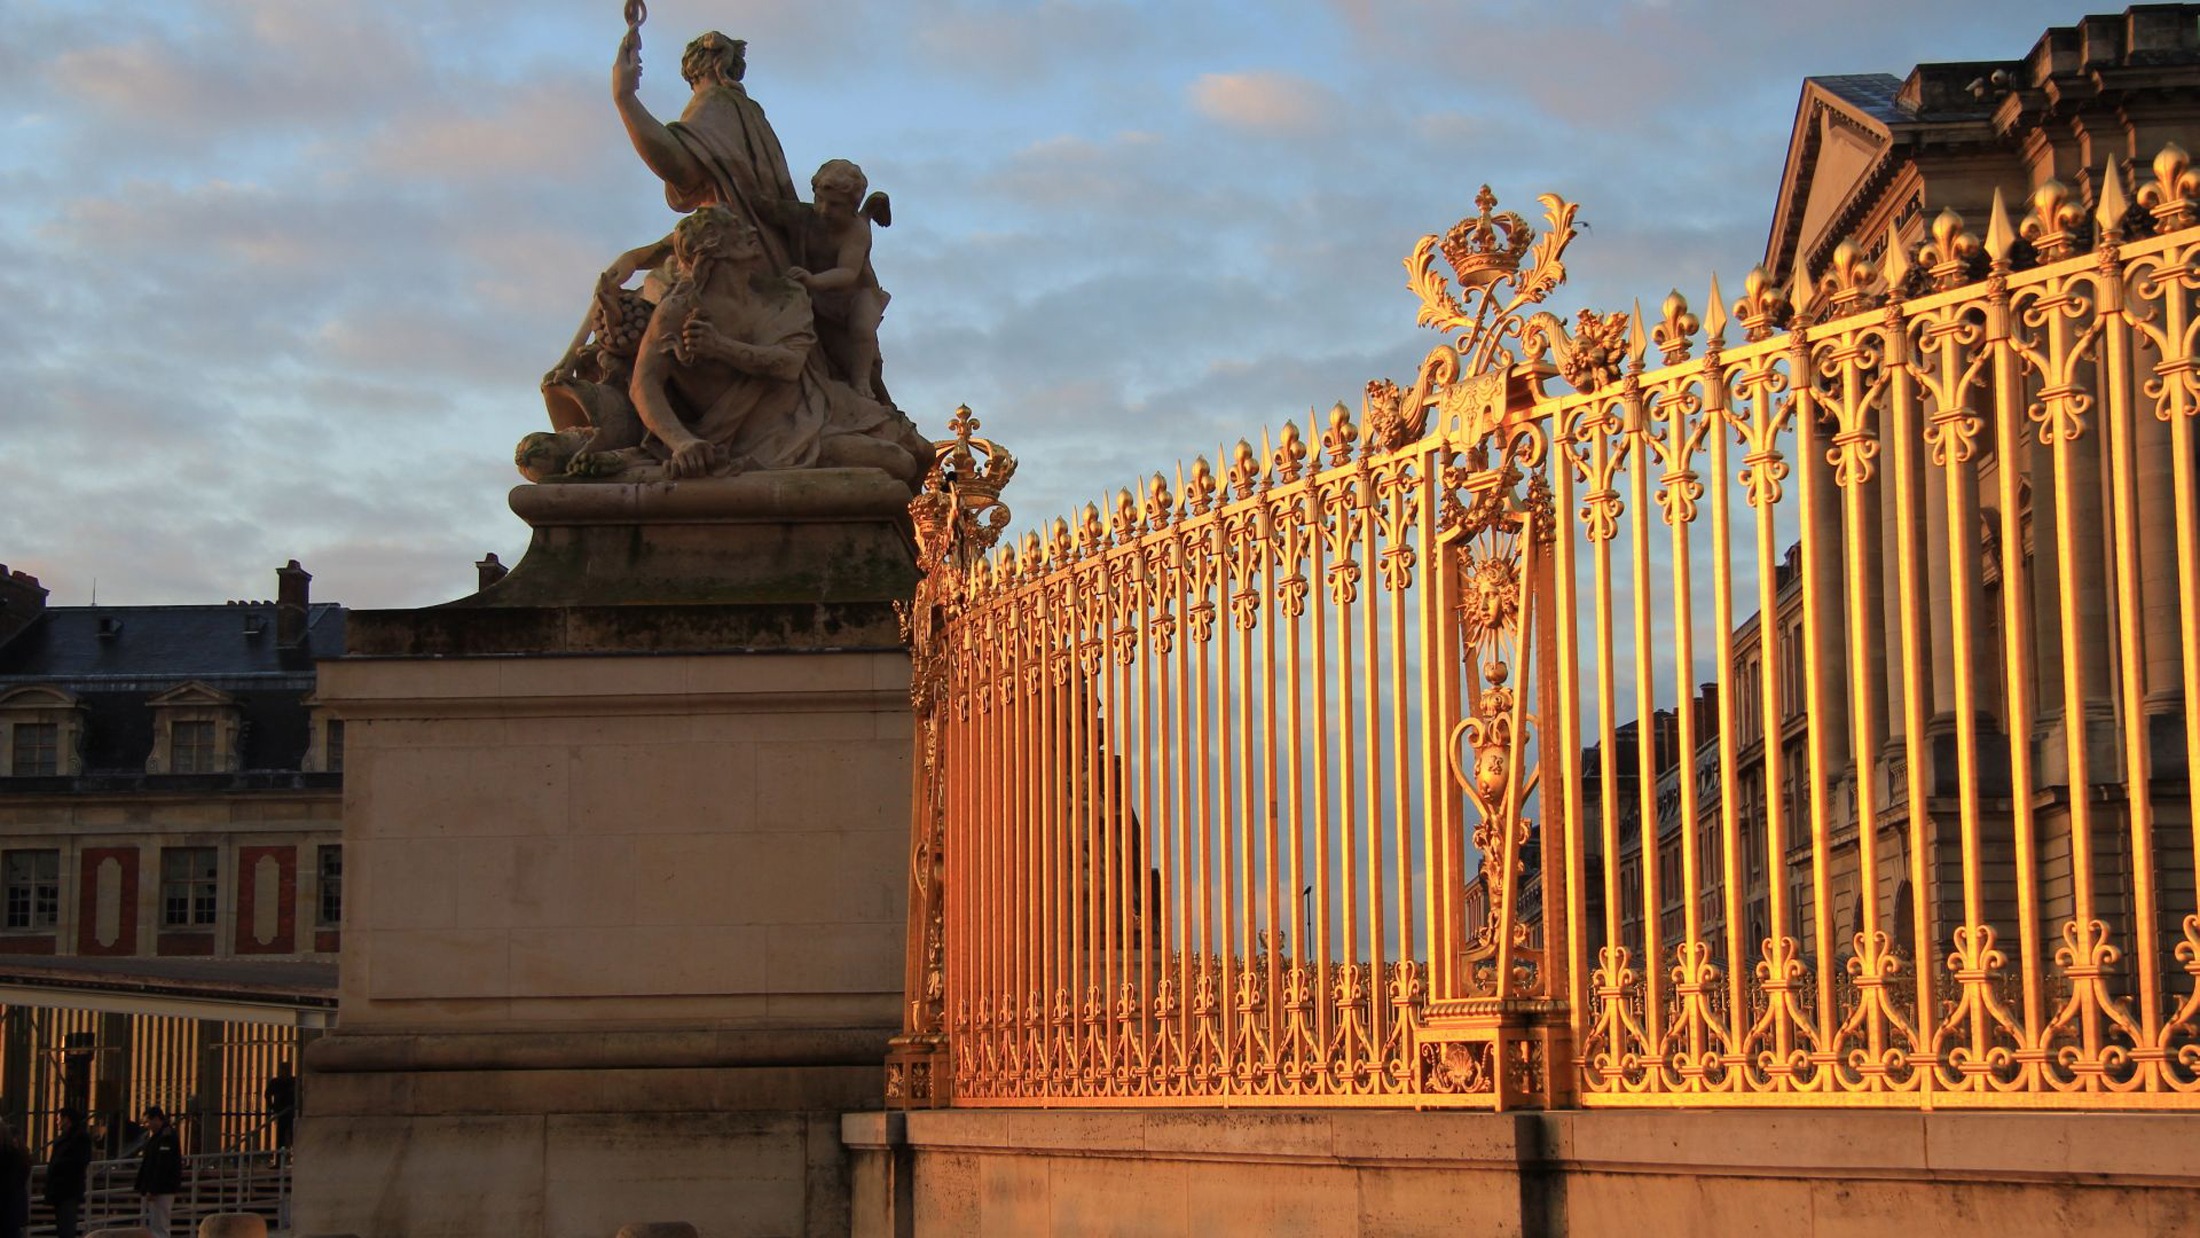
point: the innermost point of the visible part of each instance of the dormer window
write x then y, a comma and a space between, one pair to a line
195, 731
41, 732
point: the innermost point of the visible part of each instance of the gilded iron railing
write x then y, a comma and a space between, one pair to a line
1860, 647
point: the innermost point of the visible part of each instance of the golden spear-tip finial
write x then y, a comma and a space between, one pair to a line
1895, 268
2000, 237
2110, 210
1714, 318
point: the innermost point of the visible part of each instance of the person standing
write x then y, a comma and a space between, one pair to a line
160, 1170
281, 1095
15, 1183
68, 1164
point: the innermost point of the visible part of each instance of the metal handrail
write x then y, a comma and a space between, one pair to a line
212, 1182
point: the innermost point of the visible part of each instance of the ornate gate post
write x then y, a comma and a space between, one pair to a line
957, 516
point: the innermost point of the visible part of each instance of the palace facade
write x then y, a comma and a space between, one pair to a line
171, 859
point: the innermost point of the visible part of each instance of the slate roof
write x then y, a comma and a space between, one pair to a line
167, 645
149, 649
1870, 93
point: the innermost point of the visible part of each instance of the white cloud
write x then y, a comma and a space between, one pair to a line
1266, 102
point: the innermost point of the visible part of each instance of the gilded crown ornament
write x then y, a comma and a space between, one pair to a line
1499, 265
1488, 247
959, 508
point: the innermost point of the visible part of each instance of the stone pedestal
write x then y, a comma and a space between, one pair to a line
625, 840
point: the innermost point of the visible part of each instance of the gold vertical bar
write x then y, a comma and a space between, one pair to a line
2008, 382
981, 844
955, 890
1404, 489
2068, 547
1372, 756
2118, 417
1092, 577
1346, 511
996, 877
1138, 836
1810, 466
1009, 926
1230, 811
1318, 515
1069, 768
1271, 571
1957, 423
1292, 519
2176, 371
1168, 818
1607, 704
1116, 735
1192, 749
1208, 726
1734, 872
1031, 637
1640, 460
1915, 598
1007, 1005
1445, 837
1248, 827
1680, 518
1860, 535
1561, 472
1772, 699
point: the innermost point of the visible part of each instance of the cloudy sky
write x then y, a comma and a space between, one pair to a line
281, 276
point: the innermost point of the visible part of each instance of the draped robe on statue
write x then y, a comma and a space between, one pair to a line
726, 133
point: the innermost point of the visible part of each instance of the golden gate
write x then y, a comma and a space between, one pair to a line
1806, 718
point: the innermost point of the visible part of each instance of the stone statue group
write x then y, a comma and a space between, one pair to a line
752, 342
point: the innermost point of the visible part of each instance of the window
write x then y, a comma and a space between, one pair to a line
331, 861
335, 763
189, 881
33, 884
191, 747
37, 748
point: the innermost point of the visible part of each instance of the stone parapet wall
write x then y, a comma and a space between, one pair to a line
1585, 1174
625, 942
681, 840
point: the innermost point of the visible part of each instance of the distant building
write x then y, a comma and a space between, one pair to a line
171, 862
1872, 151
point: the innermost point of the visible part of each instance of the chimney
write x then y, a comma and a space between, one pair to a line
488, 570
22, 601
293, 588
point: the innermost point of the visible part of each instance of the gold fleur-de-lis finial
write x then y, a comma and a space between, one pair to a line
2171, 196
1850, 278
1763, 307
1675, 328
1950, 254
2055, 224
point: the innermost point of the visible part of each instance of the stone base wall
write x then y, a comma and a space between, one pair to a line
624, 939
1610, 1174
572, 1136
